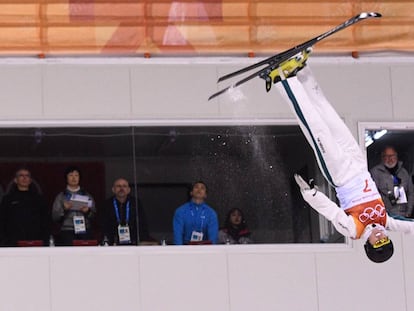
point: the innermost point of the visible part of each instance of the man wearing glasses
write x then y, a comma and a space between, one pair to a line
394, 183
23, 212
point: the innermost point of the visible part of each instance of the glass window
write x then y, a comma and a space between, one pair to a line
249, 167
400, 139
390, 156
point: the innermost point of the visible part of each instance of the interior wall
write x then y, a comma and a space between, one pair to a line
62, 90
259, 277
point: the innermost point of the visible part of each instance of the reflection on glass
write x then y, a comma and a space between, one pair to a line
182, 13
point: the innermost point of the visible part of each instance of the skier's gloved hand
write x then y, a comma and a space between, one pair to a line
320, 202
304, 186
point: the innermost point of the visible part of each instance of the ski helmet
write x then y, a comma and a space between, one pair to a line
381, 251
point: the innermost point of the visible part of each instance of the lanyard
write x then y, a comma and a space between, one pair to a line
396, 180
194, 222
68, 195
118, 218
68, 192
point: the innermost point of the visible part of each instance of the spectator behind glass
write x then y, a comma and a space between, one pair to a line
235, 229
73, 213
119, 217
394, 183
195, 221
23, 212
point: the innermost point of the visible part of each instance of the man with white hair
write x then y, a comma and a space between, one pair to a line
394, 183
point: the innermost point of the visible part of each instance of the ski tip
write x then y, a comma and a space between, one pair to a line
369, 15
211, 97
218, 93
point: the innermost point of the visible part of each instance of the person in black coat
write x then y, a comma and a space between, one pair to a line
235, 230
119, 217
23, 212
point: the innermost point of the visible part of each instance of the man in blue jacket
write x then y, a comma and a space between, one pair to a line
195, 222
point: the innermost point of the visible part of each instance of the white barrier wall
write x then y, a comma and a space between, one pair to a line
158, 89
233, 278
84, 92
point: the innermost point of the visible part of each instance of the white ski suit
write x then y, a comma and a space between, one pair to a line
341, 162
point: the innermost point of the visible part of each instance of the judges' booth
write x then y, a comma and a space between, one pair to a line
246, 166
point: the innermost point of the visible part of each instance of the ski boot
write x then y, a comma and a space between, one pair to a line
289, 68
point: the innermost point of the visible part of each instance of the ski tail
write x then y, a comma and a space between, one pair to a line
219, 92
266, 61
274, 61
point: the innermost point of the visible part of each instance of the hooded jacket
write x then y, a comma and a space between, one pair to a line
385, 184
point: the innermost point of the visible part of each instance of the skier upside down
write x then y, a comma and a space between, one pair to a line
362, 213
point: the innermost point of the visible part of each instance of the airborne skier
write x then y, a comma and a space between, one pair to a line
362, 214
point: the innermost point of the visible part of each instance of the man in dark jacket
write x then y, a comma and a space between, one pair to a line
23, 212
120, 216
394, 183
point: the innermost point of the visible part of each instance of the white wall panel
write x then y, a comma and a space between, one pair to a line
21, 91
271, 282
255, 277
350, 281
172, 91
159, 90
86, 91
408, 269
94, 280
357, 89
402, 92
24, 282
184, 279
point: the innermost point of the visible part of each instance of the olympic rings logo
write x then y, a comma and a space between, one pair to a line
370, 213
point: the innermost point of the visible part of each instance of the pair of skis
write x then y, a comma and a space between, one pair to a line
273, 62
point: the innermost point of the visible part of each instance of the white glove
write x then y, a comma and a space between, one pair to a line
317, 200
343, 223
304, 186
